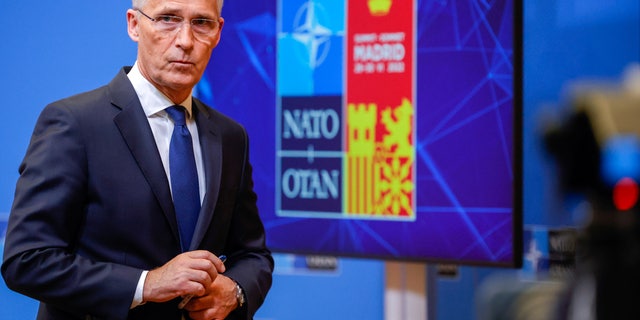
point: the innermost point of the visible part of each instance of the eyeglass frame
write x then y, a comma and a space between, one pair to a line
181, 23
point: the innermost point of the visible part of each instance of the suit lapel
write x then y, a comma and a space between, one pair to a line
133, 125
211, 146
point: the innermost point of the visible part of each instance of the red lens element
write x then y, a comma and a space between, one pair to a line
625, 194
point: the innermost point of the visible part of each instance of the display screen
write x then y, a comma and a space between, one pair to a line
383, 129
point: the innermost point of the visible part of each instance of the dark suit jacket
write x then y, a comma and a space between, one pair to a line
93, 208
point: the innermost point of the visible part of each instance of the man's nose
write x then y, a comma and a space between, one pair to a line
185, 36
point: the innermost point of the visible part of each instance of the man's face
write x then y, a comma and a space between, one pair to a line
173, 61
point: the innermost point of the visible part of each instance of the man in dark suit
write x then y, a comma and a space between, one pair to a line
96, 230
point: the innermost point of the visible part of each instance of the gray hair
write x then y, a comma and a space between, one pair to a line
138, 4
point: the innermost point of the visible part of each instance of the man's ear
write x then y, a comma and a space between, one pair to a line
132, 25
217, 40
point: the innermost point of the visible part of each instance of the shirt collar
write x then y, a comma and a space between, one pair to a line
151, 99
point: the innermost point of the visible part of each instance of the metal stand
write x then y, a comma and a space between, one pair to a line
405, 296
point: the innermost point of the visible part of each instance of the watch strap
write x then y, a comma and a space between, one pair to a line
239, 295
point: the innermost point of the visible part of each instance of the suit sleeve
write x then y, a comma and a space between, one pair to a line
251, 264
47, 216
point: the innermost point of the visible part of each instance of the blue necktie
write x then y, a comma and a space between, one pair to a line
184, 176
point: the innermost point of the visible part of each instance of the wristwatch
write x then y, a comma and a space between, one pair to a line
239, 295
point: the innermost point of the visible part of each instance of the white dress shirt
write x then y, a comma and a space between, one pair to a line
153, 103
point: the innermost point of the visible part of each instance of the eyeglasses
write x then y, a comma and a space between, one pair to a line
202, 27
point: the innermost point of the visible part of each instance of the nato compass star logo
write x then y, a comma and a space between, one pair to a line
309, 56
314, 36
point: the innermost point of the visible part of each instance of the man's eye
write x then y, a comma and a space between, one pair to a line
202, 22
169, 19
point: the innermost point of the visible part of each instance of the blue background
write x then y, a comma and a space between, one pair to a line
54, 49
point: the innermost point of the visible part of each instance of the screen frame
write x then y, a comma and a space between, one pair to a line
207, 93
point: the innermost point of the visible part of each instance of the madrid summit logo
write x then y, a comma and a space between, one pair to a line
345, 110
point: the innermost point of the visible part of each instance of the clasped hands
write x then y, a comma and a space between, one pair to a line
197, 273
